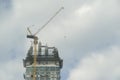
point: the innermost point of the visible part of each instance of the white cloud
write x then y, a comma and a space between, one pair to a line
102, 65
84, 9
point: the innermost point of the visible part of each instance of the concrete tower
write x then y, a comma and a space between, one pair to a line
48, 64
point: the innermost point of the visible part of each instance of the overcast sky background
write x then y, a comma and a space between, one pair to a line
86, 33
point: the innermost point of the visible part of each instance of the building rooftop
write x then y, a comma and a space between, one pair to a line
44, 54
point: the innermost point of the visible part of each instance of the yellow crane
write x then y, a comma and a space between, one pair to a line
35, 40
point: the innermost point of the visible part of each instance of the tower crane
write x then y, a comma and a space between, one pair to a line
35, 40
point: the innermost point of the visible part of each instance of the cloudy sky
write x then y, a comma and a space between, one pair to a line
86, 33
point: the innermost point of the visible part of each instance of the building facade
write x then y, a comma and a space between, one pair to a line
48, 64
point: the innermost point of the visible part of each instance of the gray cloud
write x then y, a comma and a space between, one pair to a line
83, 27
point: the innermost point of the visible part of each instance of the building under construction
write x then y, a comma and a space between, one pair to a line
48, 64
42, 62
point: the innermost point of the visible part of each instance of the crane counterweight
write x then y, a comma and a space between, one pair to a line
31, 36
